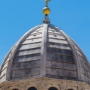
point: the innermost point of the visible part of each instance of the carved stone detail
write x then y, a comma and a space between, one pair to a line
44, 84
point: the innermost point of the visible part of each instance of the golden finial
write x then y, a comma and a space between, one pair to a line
46, 10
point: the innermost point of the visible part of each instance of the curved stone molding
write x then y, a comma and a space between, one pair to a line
45, 84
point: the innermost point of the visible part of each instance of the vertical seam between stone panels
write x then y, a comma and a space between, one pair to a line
8, 73
75, 57
73, 49
81, 52
44, 51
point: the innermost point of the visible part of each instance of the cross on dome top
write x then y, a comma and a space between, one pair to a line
47, 1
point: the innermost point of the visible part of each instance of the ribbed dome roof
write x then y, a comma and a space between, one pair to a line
45, 51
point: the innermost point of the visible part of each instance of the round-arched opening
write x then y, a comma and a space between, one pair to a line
32, 88
70, 89
52, 88
15, 89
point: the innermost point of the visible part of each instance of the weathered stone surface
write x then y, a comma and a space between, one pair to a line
30, 46
45, 51
25, 73
44, 84
60, 46
60, 65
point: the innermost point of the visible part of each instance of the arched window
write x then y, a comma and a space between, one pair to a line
32, 88
70, 89
15, 89
52, 88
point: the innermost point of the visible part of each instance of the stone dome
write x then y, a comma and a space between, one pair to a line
45, 51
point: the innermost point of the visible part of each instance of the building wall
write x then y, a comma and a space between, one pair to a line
44, 84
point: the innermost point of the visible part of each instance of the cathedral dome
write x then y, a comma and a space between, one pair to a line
45, 51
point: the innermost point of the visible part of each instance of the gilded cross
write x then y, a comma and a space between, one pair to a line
47, 1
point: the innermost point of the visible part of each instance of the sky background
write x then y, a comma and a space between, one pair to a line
18, 16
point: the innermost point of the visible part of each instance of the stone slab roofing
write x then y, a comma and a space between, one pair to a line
45, 51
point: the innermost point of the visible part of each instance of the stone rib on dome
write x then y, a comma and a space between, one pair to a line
45, 51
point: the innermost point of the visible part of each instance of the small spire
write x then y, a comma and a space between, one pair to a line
46, 12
